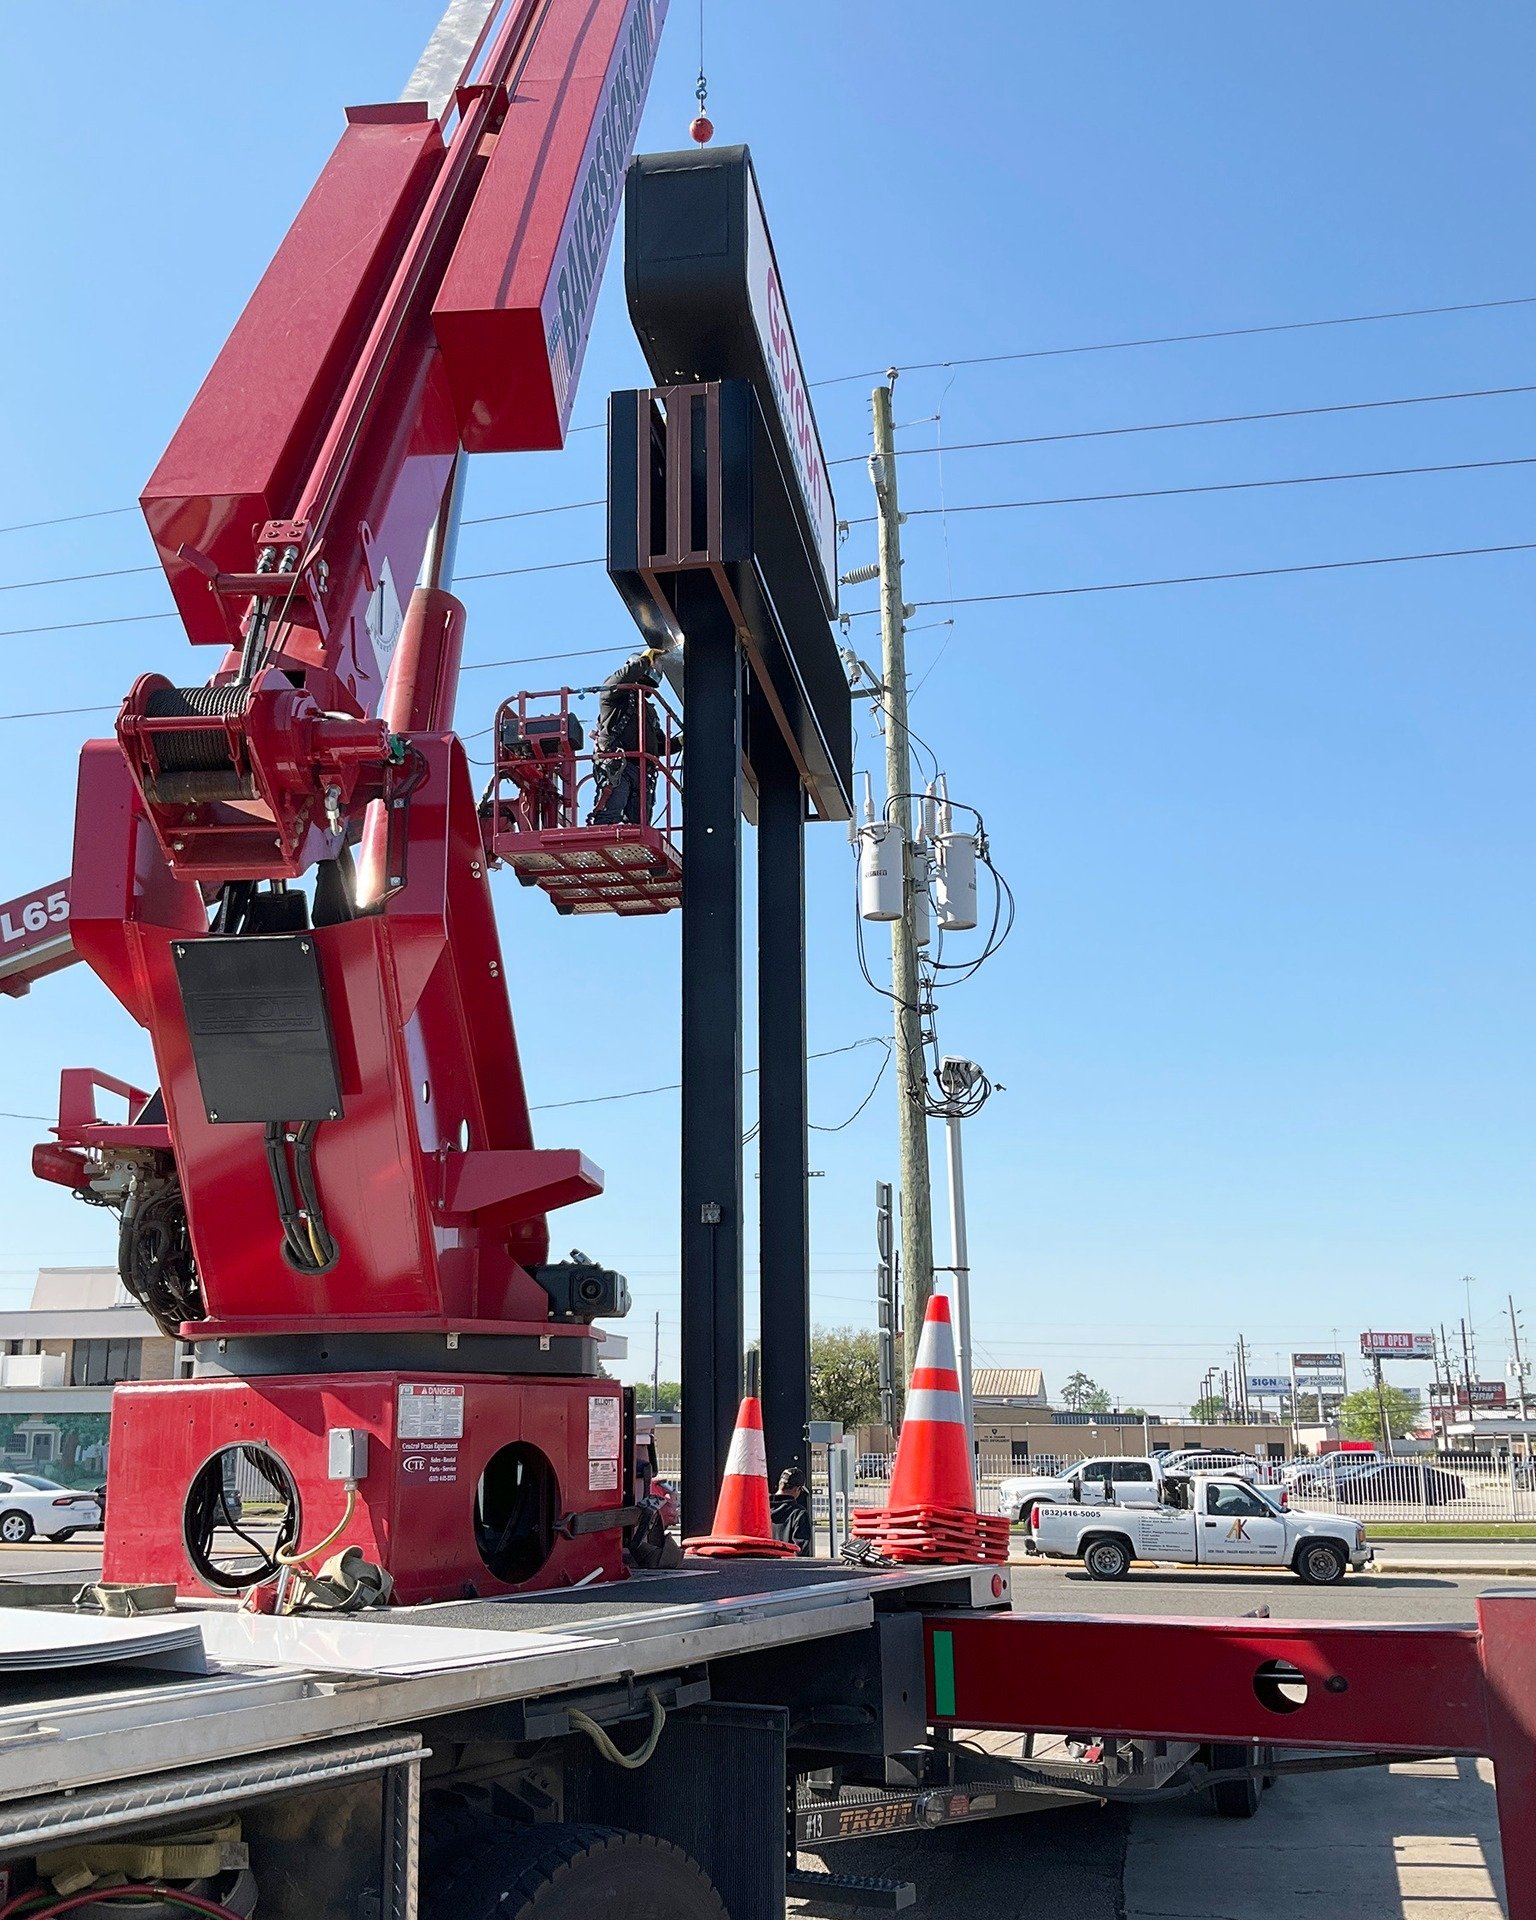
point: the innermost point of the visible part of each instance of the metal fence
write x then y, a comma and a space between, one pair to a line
1455, 1489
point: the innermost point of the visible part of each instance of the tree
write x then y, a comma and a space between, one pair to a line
1208, 1412
845, 1376
669, 1397
1080, 1393
1098, 1401
1136, 1413
1360, 1416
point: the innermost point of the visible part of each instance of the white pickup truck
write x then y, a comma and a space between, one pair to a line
1206, 1520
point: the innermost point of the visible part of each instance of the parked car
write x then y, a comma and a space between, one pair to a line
1129, 1481
1351, 1478
1210, 1460
29, 1505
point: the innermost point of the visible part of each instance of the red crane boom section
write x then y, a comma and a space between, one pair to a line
433, 296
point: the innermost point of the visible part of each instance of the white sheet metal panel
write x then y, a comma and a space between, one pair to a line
447, 53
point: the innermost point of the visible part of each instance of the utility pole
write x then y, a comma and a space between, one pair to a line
1466, 1365
1242, 1379
911, 1077
656, 1370
1447, 1390
1381, 1406
1468, 1281
1514, 1339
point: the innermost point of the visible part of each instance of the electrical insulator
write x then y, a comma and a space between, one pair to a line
957, 882
922, 905
879, 872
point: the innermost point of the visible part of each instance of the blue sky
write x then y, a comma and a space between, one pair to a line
1266, 1021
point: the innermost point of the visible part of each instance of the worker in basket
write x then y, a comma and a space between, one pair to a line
623, 745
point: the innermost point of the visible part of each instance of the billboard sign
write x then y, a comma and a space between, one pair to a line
1268, 1383
1398, 1346
1315, 1382
1484, 1393
1328, 1362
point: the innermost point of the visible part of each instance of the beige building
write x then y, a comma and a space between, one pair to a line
60, 1358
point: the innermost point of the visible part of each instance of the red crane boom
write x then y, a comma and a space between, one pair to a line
282, 873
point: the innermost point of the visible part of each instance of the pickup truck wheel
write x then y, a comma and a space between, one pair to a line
1320, 1563
1107, 1558
1235, 1799
570, 1873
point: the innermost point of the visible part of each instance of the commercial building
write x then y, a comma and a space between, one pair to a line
60, 1358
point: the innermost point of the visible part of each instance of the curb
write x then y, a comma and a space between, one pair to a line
1471, 1569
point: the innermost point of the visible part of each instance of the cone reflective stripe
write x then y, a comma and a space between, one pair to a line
933, 1454
743, 1526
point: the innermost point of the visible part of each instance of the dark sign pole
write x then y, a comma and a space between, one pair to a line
784, 1224
712, 1315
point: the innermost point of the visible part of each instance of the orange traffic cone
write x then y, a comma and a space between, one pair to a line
933, 1454
930, 1514
743, 1529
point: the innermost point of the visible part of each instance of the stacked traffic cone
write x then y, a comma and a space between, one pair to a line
930, 1514
743, 1529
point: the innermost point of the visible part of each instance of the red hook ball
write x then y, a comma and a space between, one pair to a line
701, 129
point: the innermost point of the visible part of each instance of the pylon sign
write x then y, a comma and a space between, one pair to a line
700, 272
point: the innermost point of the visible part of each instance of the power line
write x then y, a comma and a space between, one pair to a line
124, 573
66, 519
1221, 486
544, 566
1216, 420
533, 659
930, 366
72, 579
52, 713
1196, 579
532, 513
73, 626
1177, 339
473, 666
672, 1086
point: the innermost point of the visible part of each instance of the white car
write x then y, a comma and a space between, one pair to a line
1210, 1460
1130, 1481
29, 1505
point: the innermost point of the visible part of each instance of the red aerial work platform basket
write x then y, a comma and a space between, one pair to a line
600, 830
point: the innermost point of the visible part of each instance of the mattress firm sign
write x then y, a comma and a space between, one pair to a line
791, 390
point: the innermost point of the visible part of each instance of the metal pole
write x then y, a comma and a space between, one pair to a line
711, 1239
960, 1266
911, 1080
442, 549
1514, 1336
783, 1158
656, 1370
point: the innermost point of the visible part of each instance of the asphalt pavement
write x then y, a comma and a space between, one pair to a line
1418, 1841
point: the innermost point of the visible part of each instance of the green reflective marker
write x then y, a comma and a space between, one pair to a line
944, 1675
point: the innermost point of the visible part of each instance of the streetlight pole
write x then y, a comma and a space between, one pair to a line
965, 1088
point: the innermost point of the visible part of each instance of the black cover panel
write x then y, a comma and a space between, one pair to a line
260, 1033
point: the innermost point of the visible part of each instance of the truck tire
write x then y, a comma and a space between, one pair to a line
1108, 1556
1321, 1563
571, 1873
1235, 1799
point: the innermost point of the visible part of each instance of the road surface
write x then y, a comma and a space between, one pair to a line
1416, 1842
